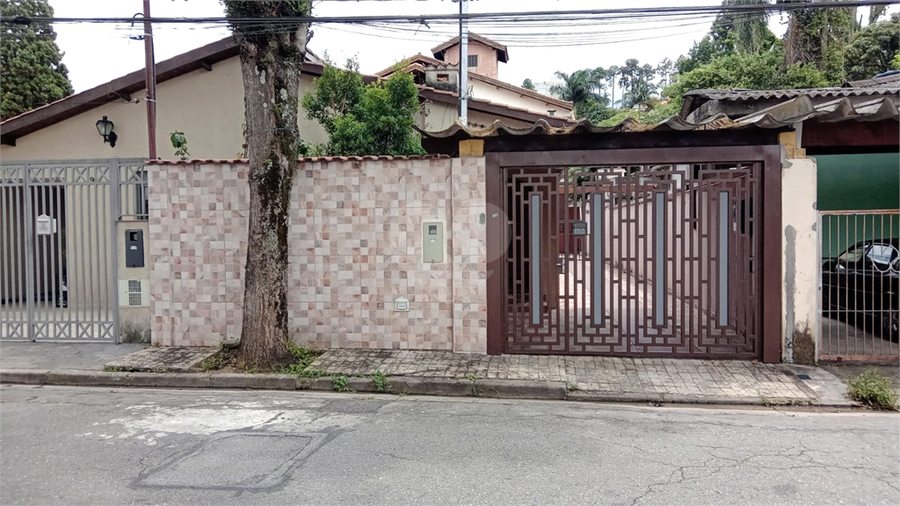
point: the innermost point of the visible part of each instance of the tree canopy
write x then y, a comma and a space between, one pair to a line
30, 61
873, 50
365, 119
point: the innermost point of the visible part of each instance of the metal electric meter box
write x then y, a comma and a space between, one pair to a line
134, 248
433, 242
579, 228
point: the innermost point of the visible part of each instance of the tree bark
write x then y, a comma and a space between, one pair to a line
270, 66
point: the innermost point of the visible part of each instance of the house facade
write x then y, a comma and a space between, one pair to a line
851, 136
200, 93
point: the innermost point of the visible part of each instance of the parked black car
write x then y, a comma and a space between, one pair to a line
861, 284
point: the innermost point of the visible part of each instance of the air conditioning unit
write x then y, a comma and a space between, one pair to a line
134, 293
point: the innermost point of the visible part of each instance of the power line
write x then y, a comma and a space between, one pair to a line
559, 15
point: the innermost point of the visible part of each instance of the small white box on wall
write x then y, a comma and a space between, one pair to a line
134, 293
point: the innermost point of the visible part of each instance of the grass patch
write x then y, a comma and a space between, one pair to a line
873, 390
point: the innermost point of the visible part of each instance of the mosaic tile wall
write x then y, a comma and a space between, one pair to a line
356, 234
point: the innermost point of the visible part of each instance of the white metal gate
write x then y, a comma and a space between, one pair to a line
58, 269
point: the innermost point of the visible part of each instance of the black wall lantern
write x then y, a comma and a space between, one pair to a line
105, 127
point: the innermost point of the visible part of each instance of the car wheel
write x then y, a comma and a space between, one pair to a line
889, 325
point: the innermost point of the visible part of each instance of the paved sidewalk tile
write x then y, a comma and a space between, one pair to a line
714, 379
163, 358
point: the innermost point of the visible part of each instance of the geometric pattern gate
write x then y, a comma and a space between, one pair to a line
58, 268
634, 260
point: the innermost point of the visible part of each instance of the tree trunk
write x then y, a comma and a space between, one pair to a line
270, 66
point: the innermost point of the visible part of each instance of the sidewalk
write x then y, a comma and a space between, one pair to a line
608, 379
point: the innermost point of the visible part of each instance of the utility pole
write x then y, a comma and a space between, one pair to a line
150, 80
463, 63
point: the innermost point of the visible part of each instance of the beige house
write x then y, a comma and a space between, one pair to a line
440, 73
201, 94
66, 273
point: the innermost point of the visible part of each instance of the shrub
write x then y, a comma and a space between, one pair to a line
873, 390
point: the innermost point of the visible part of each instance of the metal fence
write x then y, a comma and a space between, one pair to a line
59, 264
859, 271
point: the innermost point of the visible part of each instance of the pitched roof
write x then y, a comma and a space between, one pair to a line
201, 58
780, 116
122, 88
565, 104
412, 60
502, 53
488, 107
750, 95
886, 79
117, 89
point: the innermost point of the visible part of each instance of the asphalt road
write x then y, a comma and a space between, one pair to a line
67, 445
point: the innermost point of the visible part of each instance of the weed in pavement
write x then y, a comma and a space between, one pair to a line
873, 390
381, 382
341, 383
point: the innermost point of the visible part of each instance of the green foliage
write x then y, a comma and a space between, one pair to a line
873, 390
874, 50
303, 357
30, 61
179, 142
581, 86
365, 119
660, 112
261, 32
818, 37
341, 383
641, 93
528, 85
381, 382
593, 111
755, 71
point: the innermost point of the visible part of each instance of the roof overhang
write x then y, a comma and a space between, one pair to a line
122, 88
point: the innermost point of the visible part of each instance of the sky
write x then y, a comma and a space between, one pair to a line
97, 53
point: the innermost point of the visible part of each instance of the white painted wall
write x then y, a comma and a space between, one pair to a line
800, 258
486, 91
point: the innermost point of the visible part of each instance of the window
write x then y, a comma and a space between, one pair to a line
473, 61
853, 254
882, 256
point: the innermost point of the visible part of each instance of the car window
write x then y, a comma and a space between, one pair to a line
852, 255
882, 255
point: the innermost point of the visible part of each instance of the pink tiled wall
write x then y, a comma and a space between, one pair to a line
355, 245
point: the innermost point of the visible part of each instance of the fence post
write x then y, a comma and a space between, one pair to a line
115, 206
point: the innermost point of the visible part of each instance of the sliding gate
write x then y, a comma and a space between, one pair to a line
58, 266
632, 259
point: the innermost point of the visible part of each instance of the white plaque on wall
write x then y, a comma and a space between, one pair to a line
44, 225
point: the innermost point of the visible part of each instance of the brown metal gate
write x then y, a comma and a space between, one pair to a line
632, 259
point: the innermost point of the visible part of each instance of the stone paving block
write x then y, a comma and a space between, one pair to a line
163, 358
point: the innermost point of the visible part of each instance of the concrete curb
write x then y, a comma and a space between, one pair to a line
488, 388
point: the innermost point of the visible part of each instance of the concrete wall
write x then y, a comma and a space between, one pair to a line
487, 58
355, 246
192, 103
800, 269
